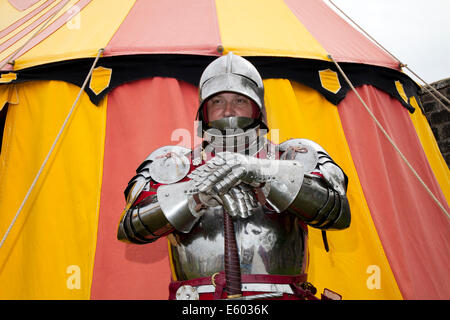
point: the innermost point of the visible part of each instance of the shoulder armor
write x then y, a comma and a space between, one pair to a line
303, 150
169, 164
315, 158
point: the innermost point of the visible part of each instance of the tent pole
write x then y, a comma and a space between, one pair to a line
401, 64
389, 138
100, 51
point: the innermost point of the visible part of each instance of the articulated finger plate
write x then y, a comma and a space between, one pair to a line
215, 173
239, 201
208, 175
227, 170
229, 204
233, 178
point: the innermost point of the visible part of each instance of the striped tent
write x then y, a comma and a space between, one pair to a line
129, 71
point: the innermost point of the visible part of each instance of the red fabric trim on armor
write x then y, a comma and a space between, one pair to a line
143, 195
318, 174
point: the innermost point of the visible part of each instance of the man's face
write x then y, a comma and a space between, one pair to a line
228, 104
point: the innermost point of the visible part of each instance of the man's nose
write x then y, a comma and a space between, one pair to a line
229, 110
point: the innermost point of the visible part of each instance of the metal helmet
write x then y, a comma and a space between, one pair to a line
232, 73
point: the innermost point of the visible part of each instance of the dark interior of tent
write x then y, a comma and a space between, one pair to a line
3, 113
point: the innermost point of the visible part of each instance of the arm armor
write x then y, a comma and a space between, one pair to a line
144, 222
320, 198
163, 211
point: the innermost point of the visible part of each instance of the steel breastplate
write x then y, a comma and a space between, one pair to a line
268, 243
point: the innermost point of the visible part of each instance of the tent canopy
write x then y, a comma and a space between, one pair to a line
142, 94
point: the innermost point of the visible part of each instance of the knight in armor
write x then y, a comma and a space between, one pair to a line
236, 208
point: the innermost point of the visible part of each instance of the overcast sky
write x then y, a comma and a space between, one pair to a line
417, 32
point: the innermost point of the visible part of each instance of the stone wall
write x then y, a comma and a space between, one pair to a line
438, 116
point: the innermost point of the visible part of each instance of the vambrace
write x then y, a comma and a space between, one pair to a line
144, 222
321, 206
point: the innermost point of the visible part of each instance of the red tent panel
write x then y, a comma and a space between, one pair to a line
141, 117
410, 228
161, 26
338, 37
